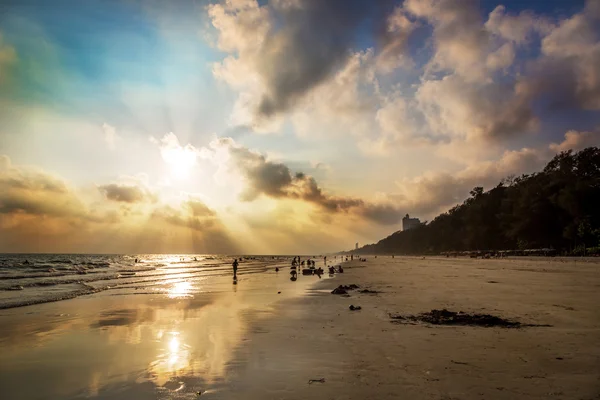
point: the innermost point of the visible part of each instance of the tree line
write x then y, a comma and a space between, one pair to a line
556, 208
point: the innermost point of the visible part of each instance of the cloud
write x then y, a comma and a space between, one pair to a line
501, 58
435, 192
399, 122
488, 80
397, 32
520, 28
33, 192
126, 193
320, 166
191, 214
567, 74
199, 209
282, 51
180, 159
465, 103
460, 42
292, 58
275, 179
208, 234
42, 212
576, 141
343, 105
482, 111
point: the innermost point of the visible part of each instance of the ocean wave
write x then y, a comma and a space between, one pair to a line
49, 278
37, 274
95, 264
47, 299
143, 269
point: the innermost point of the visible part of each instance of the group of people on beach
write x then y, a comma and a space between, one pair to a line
297, 263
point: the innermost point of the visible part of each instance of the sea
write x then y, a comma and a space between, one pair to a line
27, 279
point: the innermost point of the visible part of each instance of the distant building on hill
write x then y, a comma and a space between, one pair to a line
356, 246
410, 223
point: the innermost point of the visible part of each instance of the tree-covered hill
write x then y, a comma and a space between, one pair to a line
558, 208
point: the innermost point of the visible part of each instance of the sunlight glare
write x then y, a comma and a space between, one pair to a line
181, 160
174, 345
180, 289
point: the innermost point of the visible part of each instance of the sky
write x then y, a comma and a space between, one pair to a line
277, 126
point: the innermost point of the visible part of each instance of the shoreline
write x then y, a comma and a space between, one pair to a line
261, 344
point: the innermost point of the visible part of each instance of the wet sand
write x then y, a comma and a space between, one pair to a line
255, 343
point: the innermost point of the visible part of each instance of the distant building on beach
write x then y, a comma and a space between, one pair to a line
410, 223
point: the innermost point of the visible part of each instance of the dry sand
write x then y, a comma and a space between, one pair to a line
362, 355
251, 342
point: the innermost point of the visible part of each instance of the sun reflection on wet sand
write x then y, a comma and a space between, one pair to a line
173, 360
180, 289
117, 342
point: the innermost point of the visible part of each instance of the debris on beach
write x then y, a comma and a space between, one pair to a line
339, 290
445, 317
368, 291
459, 362
343, 289
320, 380
354, 308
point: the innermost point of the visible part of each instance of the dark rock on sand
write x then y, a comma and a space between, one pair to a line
354, 308
343, 289
445, 317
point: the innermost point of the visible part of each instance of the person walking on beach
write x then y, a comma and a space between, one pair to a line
235, 265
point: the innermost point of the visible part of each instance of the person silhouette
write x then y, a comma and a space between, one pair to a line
235, 268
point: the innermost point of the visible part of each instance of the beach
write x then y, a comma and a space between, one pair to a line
270, 338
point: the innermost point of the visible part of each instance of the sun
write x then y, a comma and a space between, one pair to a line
180, 160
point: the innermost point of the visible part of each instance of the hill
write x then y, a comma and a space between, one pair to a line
557, 208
